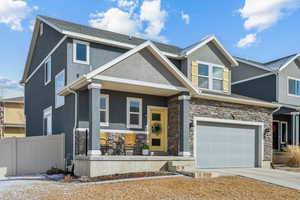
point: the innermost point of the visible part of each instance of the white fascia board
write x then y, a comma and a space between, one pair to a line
109, 42
254, 65
170, 66
140, 83
234, 63
237, 100
50, 24
286, 64
253, 78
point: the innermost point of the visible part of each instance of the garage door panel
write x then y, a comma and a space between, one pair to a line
224, 145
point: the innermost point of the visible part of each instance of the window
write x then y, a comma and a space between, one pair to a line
59, 85
284, 132
203, 73
134, 113
104, 110
47, 71
41, 29
81, 51
294, 87
210, 76
47, 121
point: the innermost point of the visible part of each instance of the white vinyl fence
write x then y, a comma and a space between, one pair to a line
31, 155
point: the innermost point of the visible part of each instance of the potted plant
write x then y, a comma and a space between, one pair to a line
145, 149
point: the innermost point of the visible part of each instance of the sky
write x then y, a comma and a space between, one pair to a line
253, 29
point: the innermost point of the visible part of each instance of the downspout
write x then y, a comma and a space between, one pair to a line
75, 121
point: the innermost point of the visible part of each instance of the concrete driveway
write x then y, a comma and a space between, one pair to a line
277, 177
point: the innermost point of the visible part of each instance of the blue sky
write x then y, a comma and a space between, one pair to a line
254, 29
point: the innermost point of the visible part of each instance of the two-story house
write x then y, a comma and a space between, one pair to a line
12, 119
118, 88
275, 81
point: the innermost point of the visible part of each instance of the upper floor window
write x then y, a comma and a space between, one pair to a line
134, 113
47, 67
59, 85
81, 52
210, 76
41, 29
294, 87
104, 110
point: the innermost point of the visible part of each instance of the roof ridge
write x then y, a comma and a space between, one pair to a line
121, 34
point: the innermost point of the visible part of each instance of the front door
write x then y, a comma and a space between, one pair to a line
158, 125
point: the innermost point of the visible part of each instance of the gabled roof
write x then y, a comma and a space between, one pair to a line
190, 49
155, 51
280, 63
272, 66
69, 27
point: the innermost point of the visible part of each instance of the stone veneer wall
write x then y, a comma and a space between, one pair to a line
222, 110
173, 126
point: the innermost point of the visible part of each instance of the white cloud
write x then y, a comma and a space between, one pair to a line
115, 20
13, 12
152, 14
147, 20
262, 14
185, 17
9, 88
31, 25
247, 41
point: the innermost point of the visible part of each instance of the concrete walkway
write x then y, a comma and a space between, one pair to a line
277, 177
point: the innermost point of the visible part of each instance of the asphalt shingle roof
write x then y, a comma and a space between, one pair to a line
277, 64
69, 26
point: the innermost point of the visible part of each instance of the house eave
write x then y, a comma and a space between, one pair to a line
237, 100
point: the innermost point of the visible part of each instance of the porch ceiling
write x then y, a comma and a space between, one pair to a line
132, 86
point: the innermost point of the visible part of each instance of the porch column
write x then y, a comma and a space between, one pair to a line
94, 119
295, 124
184, 122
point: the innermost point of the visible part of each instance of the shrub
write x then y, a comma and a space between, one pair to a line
294, 154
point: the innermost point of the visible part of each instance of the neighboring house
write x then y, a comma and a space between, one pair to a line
275, 81
118, 87
12, 119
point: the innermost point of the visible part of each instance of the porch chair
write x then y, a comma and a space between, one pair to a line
130, 143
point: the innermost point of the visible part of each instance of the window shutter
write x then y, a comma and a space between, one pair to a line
226, 80
195, 73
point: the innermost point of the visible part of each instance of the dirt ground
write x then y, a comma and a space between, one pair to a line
180, 188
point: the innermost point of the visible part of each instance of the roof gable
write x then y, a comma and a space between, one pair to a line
187, 51
156, 53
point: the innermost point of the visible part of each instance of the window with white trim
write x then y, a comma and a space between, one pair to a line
210, 76
41, 29
104, 110
294, 86
81, 52
134, 112
47, 67
59, 85
47, 121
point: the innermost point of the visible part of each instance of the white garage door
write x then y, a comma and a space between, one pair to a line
226, 145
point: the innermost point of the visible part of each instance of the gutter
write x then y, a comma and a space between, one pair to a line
237, 100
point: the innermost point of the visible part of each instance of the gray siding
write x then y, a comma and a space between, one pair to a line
262, 88
245, 71
142, 66
208, 53
117, 108
40, 96
44, 45
293, 71
99, 55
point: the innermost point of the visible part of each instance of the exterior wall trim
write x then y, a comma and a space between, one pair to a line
289, 62
253, 64
253, 78
45, 59
260, 125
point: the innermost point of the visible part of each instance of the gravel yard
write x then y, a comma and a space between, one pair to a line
179, 188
